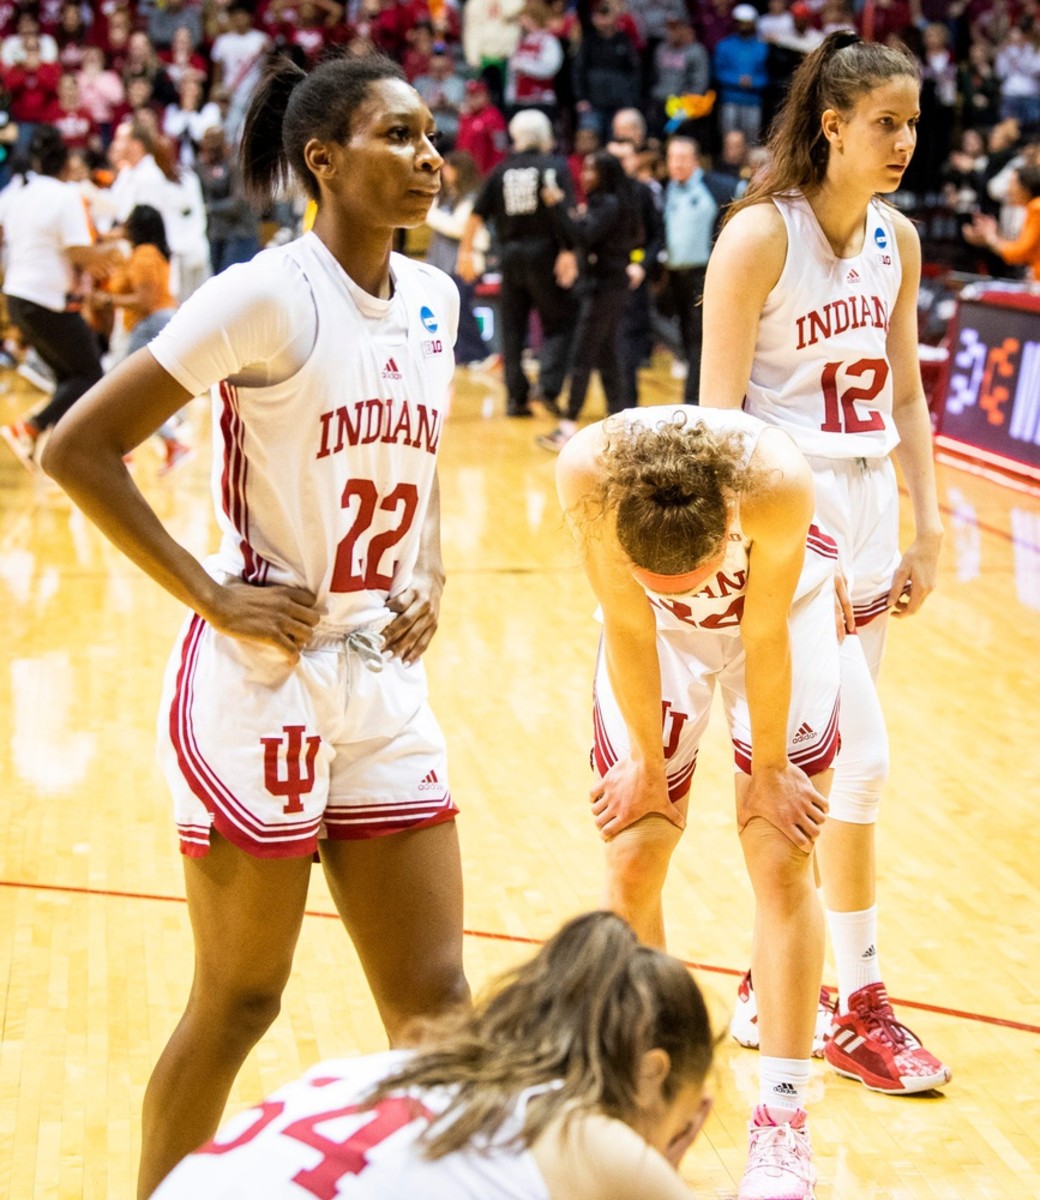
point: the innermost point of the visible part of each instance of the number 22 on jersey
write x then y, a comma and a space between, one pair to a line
378, 524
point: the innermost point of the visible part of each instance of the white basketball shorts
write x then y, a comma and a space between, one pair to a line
857, 502
275, 756
693, 661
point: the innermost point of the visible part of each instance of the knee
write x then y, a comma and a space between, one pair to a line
637, 859
428, 993
859, 779
781, 873
242, 1015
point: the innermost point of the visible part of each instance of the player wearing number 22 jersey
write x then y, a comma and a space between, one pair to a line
328, 409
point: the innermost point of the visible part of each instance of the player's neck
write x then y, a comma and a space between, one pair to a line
365, 258
841, 217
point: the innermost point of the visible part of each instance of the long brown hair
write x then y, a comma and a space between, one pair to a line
669, 488
579, 1015
840, 70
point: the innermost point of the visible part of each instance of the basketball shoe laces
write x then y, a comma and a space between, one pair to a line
874, 1009
783, 1148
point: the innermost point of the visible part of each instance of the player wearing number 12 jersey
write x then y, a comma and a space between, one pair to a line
295, 715
811, 324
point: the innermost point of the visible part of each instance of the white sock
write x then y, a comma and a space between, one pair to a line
783, 1082
854, 939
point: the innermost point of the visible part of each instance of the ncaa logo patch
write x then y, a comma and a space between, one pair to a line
880, 238
428, 319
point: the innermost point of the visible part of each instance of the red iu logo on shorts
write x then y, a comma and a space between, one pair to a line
299, 756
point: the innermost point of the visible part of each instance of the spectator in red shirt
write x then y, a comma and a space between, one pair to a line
182, 58
482, 128
417, 57
71, 118
71, 37
113, 36
32, 86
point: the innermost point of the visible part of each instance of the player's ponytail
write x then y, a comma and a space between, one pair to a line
289, 107
578, 1017
840, 70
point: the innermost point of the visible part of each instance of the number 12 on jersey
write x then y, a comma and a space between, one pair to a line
839, 408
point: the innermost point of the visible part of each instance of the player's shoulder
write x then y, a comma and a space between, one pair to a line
756, 238
907, 237
274, 278
591, 1156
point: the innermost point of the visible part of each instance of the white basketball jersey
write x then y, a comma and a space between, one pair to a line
323, 481
719, 605
821, 368
313, 1138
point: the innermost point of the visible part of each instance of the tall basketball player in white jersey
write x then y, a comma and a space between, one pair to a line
579, 1077
295, 715
695, 528
810, 323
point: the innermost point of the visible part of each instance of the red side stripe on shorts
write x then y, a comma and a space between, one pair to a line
821, 543
865, 613
812, 759
230, 816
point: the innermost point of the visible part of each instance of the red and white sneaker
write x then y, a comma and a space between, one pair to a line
22, 439
780, 1161
868, 1043
743, 1027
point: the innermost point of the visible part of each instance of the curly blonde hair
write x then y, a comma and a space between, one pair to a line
670, 487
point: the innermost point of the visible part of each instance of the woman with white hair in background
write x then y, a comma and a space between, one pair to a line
537, 267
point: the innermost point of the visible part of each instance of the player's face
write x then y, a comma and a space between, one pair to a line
679, 1119
388, 172
873, 145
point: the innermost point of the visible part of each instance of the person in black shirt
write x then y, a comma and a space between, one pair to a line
605, 233
530, 248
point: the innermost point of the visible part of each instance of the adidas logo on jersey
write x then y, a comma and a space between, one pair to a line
390, 371
853, 276
805, 732
431, 783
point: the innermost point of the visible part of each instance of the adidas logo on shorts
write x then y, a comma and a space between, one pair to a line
431, 783
805, 732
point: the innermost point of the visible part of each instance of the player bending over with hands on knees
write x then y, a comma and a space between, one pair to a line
295, 715
580, 1076
696, 532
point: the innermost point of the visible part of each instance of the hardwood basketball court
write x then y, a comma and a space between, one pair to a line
95, 950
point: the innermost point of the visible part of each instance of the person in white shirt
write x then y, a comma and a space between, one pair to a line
295, 716
581, 1076
238, 57
47, 239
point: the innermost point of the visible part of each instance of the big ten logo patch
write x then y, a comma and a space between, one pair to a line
432, 346
520, 191
289, 765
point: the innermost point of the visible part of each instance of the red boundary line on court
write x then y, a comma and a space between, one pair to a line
517, 939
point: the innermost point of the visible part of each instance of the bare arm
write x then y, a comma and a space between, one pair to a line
744, 267
919, 565
85, 455
418, 606
636, 786
464, 263
776, 519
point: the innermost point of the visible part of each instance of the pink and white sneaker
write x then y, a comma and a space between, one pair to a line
743, 1027
870, 1044
779, 1165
